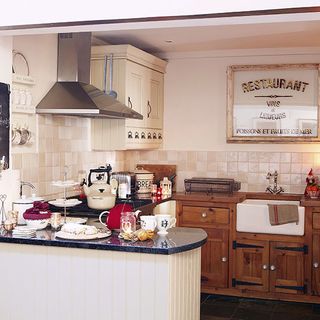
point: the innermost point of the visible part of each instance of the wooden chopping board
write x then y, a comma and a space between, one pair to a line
160, 171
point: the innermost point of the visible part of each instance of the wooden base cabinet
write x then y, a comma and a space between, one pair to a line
214, 259
316, 263
215, 253
269, 266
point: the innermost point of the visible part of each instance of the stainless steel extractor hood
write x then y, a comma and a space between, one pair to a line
72, 94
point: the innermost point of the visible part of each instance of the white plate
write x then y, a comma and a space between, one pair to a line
66, 204
75, 220
71, 236
65, 184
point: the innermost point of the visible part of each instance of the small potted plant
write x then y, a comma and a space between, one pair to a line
312, 188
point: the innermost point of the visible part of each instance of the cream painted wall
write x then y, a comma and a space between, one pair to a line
195, 98
5, 59
41, 54
17, 12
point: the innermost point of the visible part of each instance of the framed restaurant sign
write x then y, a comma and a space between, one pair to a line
273, 103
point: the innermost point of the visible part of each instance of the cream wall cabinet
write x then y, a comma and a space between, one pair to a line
138, 79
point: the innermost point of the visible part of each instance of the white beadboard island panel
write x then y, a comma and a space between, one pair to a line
50, 283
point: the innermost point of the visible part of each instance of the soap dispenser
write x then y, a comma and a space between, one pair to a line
166, 186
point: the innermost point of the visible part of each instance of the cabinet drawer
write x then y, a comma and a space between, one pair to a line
204, 215
316, 220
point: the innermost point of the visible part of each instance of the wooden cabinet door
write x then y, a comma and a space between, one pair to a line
214, 259
251, 262
316, 263
154, 99
135, 86
287, 267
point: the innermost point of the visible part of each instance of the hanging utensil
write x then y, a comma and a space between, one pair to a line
111, 93
3, 198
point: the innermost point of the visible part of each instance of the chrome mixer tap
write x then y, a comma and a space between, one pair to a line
273, 189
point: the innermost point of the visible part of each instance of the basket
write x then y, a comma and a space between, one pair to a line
211, 185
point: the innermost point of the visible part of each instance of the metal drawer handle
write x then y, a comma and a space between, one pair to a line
204, 214
316, 265
272, 268
224, 259
265, 267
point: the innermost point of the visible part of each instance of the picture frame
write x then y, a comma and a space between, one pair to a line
277, 103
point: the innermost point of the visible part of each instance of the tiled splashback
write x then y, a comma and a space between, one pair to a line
250, 168
63, 141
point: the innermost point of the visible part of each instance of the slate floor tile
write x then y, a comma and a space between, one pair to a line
246, 314
218, 310
294, 308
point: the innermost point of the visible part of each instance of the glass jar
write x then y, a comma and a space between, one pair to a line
127, 222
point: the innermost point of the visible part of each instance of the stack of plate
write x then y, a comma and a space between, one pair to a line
24, 232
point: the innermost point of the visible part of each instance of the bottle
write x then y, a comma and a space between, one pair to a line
166, 186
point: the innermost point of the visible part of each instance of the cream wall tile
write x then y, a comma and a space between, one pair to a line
243, 156
285, 157
212, 166
307, 157
253, 156
253, 167
232, 156
274, 157
295, 179
212, 156
222, 167
285, 167
17, 161
232, 166
296, 167
274, 166
202, 156
296, 157
201, 166
284, 178
172, 155
243, 166
221, 156
264, 167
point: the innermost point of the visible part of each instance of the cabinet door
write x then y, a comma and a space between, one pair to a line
214, 259
135, 86
97, 77
154, 99
251, 260
287, 267
316, 263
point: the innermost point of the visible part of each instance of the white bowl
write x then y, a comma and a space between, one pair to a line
38, 224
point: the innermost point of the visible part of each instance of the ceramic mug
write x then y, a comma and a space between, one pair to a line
164, 222
148, 222
100, 218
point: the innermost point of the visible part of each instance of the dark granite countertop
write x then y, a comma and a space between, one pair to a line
177, 240
144, 202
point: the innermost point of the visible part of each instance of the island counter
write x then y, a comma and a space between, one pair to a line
109, 279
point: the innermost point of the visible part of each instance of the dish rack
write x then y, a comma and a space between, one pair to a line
211, 185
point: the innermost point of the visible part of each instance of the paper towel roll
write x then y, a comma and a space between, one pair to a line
10, 185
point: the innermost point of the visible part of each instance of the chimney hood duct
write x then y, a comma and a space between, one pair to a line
72, 94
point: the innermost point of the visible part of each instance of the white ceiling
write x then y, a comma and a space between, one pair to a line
217, 37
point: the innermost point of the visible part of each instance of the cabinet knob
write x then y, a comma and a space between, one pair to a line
265, 267
204, 214
316, 265
224, 259
272, 268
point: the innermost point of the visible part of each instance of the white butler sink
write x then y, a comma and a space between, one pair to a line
253, 216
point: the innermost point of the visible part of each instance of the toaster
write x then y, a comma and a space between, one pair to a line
126, 183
